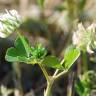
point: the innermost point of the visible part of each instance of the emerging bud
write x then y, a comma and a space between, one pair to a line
9, 22
38, 52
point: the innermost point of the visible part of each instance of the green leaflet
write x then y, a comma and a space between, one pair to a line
52, 61
71, 55
18, 52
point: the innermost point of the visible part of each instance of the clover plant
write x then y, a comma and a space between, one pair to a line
24, 52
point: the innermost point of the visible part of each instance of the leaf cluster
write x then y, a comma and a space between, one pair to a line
24, 52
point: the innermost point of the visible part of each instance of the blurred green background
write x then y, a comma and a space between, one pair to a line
52, 23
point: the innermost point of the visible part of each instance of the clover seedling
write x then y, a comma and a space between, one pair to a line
24, 52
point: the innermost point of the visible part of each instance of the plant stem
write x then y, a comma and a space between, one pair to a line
70, 84
45, 73
54, 77
50, 81
49, 85
85, 65
48, 89
58, 69
55, 72
60, 74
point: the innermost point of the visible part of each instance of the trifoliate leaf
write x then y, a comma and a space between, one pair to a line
23, 52
18, 53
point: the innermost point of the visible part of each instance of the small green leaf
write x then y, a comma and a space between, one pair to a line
19, 45
71, 55
11, 55
52, 61
18, 53
25, 43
